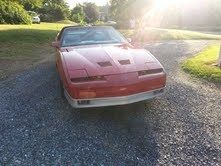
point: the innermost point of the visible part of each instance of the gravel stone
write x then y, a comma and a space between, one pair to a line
182, 127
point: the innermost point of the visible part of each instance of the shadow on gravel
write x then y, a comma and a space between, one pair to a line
125, 128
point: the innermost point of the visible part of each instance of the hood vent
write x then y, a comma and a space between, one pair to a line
124, 62
104, 64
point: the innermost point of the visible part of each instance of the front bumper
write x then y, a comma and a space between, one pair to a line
112, 101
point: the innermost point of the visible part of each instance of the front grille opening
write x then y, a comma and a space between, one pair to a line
147, 72
88, 79
104, 64
124, 62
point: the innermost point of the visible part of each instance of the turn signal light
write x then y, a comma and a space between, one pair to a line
87, 94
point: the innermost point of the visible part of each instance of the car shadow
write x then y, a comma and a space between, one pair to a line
126, 123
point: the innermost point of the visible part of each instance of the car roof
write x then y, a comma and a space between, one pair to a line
80, 26
86, 26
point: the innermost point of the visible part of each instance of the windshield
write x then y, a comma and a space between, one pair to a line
91, 35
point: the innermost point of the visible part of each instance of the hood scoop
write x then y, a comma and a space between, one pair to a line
124, 62
104, 64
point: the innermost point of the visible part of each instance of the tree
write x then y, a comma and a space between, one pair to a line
54, 10
77, 14
91, 12
104, 12
119, 9
11, 12
126, 9
30, 4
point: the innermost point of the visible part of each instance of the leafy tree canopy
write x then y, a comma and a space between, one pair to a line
11, 12
91, 12
54, 10
30, 4
77, 14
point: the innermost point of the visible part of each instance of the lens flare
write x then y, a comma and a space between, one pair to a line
160, 9
164, 4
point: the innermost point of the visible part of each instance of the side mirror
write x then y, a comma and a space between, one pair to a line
55, 44
129, 40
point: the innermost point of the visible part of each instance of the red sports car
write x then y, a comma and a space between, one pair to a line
99, 67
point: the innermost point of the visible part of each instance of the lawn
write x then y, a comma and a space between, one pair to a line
24, 45
27, 41
203, 65
155, 34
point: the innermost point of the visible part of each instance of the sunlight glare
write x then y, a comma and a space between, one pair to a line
163, 4
159, 9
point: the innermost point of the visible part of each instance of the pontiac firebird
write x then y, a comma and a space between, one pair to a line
99, 67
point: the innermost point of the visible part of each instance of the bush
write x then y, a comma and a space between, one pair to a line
13, 13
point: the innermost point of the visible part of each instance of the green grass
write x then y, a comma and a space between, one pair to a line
39, 33
203, 65
25, 45
67, 22
27, 41
154, 34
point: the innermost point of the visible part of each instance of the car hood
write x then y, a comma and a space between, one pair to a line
108, 60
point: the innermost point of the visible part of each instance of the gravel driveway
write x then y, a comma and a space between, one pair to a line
183, 127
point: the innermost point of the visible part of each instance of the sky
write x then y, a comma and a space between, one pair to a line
98, 2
